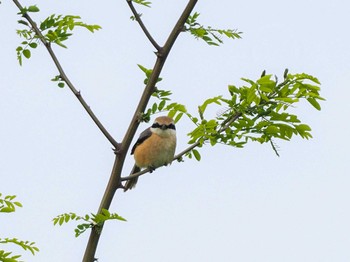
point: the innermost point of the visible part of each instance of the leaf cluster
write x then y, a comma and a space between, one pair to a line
142, 2
59, 81
175, 110
26, 245
7, 205
57, 28
91, 221
29, 9
208, 34
8, 257
258, 111
54, 29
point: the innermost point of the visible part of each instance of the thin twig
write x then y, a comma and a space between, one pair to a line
65, 78
142, 25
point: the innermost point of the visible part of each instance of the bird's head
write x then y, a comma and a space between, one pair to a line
163, 126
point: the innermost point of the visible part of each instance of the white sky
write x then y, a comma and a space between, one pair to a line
236, 204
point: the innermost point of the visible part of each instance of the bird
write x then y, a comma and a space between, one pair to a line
154, 148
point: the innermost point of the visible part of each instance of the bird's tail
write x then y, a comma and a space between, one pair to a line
130, 184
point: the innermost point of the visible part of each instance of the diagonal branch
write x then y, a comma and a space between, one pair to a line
114, 181
65, 78
142, 25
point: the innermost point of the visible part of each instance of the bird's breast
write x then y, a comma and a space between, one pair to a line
155, 151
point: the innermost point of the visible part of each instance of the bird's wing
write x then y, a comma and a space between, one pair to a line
143, 136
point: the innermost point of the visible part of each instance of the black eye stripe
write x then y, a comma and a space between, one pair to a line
170, 126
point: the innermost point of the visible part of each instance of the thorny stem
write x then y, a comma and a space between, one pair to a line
65, 78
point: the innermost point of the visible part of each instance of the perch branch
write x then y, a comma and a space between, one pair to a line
181, 154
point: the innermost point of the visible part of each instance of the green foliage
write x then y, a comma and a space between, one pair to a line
258, 111
54, 29
32, 8
175, 110
6, 257
7, 205
195, 153
148, 73
91, 221
208, 34
58, 79
142, 2
24, 49
26, 245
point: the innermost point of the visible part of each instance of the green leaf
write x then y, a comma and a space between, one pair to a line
161, 105
272, 130
303, 127
23, 22
288, 100
178, 117
196, 155
26, 53
33, 45
210, 35
33, 8
18, 204
266, 89
142, 2
154, 108
314, 103
209, 101
106, 213
6, 210
61, 220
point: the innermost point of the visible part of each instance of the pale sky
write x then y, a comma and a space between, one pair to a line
241, 205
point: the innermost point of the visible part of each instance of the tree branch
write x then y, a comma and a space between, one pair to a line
114, 181
65, 78
142, 25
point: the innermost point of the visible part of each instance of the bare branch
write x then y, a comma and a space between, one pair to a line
142, 25
65, 78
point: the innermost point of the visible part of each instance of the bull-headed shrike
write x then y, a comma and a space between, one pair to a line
154, 148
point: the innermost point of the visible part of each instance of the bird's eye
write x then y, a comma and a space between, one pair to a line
156, 125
